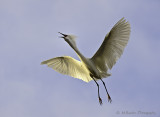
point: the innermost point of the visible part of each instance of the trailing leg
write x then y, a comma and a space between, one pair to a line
100, 100
109, 98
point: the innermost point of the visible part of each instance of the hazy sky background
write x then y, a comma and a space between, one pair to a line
28, 36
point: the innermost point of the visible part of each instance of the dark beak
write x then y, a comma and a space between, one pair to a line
64, 35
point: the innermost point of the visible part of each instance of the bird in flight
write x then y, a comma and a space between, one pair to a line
95, 68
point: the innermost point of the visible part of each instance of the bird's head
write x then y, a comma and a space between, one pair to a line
71, 39
67, 37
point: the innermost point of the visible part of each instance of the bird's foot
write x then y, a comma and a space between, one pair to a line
109, 98
100, 101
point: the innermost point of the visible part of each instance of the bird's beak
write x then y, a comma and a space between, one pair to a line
64, 35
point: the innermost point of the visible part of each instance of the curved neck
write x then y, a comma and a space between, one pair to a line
80, 55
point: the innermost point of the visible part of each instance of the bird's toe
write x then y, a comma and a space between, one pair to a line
109, 99
100, 101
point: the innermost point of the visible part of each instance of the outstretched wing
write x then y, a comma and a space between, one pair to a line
69, 66
112, 46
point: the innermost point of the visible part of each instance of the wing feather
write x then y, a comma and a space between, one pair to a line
69, 66
113, 46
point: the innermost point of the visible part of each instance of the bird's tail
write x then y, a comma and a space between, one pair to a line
104, 75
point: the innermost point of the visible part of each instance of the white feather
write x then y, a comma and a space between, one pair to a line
113, 46
69, 66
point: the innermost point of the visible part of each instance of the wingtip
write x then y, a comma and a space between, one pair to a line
42, 63
123, 18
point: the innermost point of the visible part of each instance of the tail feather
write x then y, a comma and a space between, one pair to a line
104, 75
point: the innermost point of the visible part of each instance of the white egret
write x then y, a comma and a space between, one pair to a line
97, 67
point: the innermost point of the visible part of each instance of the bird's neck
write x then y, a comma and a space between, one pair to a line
80, 55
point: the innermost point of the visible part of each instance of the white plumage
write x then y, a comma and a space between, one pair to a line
96, 67
69, 66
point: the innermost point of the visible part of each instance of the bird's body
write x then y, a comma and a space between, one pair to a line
94, 68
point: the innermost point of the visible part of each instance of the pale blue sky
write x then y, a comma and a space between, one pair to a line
28, 35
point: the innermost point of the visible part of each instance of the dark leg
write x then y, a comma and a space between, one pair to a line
100, 100
109, 98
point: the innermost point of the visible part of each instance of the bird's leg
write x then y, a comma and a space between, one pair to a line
100, 100
109, 98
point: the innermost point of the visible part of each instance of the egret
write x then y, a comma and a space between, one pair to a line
97, 67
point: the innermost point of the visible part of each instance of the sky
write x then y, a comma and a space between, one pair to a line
29, 35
